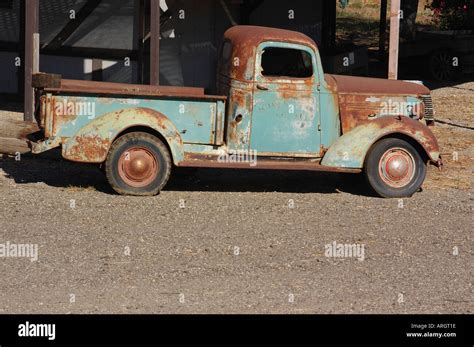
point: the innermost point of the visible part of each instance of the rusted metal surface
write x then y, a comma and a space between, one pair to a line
252, 97
91, 143
264, 163
358, 109
361, 100
41, 115
375, 86
351, 149
43, 146
46, 80
88, 148
242, 42
239, 112
95, 121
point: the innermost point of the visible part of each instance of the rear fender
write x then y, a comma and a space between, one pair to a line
350, 150
91, 143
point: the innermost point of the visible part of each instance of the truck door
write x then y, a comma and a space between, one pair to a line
285, 116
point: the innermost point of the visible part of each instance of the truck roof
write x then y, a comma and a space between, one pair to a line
248, 35
244, 40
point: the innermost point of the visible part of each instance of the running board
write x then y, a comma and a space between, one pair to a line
265, 164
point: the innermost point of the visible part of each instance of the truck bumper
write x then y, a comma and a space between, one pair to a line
45, 145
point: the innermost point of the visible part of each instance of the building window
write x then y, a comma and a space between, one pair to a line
286, 62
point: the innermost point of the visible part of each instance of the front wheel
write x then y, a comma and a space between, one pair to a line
394, 168
138, 164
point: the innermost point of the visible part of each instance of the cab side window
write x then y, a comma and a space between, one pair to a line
286, 62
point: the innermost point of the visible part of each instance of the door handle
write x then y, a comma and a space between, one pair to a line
261, 87
238, 118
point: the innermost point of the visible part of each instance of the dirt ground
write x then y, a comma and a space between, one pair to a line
242, 241
454, 106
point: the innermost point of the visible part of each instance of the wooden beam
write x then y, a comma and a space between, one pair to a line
17, 129
155, 42
383, 27
87, 52
394, 39
46, 80
83, 52
14, 135
73, 24
139, 36
31, 59
10, 145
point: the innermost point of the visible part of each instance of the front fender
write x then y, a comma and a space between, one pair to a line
92, 142
350, 149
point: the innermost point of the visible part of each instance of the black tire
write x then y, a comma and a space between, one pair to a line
394, 168
441, 66
138, 164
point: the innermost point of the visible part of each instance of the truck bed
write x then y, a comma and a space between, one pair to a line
79, 115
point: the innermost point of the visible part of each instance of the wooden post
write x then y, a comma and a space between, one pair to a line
73, 24
140, 35
155, 42
394, 39
383, 27
31, 59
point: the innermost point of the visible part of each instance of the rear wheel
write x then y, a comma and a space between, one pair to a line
394, 168
138, 164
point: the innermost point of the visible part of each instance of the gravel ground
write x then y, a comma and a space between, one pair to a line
229, 242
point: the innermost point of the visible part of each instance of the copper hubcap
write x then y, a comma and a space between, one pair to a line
138, 167
397, 167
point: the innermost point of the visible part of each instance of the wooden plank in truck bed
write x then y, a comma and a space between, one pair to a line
110, 87
93, 87
55, 84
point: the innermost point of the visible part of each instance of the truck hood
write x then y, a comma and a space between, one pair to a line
362, 99
365, 85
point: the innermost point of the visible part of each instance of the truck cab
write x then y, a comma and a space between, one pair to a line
277, 95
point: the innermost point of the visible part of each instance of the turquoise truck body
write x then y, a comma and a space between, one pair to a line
311, 122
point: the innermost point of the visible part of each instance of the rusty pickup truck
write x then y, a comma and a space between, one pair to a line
274, 109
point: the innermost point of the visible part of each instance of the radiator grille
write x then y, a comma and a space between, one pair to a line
429, 110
